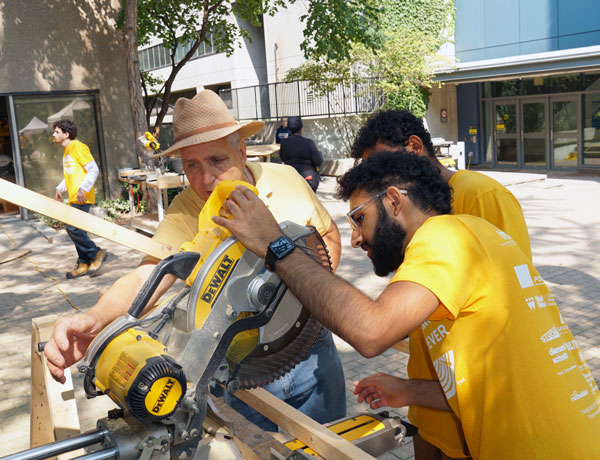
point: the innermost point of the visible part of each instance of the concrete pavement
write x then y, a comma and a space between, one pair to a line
562, 212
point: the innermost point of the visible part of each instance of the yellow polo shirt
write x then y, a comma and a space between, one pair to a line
75, 157
479, 195
509, 366
287, 195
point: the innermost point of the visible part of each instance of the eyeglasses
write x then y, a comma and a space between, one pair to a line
355, 223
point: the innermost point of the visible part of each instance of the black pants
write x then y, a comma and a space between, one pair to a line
313, 178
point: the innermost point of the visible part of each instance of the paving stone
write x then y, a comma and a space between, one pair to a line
565, 243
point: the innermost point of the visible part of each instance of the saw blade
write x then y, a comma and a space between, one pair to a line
273, 358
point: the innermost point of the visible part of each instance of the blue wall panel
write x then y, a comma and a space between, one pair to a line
538, 46
538, 20
577, 16
469, 26
467, 99
579, 40
516, 27
501, 22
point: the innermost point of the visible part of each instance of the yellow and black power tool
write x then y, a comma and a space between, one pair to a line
149, 141
262, 329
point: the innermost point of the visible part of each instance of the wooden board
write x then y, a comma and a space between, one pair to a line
53, 407
319, 438
13, 254
401, 346
253, 443
41, 204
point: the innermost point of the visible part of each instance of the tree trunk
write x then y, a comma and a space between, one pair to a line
136, 100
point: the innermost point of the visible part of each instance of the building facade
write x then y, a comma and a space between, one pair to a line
524, 92
527, 83
63, 60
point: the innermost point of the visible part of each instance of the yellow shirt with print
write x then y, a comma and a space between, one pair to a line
510, 368
479, 195
75, 157
280, 187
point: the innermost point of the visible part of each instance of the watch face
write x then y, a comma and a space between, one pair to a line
281, 247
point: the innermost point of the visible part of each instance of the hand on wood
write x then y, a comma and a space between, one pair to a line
69, 341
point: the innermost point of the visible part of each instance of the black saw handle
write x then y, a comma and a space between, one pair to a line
180, 265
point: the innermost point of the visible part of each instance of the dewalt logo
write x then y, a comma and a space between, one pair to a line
216, 282
163, 396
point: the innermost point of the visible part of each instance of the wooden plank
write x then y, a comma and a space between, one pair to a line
253, 442
313, 434
41, 204
402, 346
13, 254
53, 407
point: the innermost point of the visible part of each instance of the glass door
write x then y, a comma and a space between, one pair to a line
505, 133
533, 133
564, 135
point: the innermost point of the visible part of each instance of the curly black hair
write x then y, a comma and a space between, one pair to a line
67, 126
423, 181
392, 128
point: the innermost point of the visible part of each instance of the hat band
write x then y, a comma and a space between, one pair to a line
205, 129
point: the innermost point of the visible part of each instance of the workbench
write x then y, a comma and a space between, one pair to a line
263, 152
149, 179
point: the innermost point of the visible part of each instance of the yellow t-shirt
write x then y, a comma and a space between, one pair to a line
281, 188
479, 195
509, 366
75, 157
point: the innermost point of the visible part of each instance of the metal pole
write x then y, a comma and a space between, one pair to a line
299, 103
105, 454
59, 447
255, 104
14, 137
276, 103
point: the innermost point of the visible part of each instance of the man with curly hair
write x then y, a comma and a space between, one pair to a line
81, 172
473, 193
506, 364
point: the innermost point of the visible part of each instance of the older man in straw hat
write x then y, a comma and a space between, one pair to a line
212, 148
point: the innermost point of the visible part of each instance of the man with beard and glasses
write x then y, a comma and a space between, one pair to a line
440, 435
506, 364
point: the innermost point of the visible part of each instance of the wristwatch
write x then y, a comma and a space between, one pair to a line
278, 250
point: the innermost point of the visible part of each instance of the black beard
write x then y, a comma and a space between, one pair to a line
387, 250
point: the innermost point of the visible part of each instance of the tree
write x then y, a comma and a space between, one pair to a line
400, 70
140, 125
186, 24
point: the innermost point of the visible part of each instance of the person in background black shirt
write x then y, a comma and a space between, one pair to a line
301, 153
283, 132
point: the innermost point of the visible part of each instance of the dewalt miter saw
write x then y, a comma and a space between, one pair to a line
240, 327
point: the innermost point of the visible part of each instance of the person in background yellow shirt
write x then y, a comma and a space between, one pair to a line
440, 435
80, 171
506, 364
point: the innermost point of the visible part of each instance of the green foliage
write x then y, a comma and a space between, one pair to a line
331, 25
402, 65
114, 208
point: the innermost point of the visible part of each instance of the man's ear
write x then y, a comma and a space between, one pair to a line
242, 149
396, 199
415, 145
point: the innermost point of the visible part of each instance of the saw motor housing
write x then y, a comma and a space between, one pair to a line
138, 374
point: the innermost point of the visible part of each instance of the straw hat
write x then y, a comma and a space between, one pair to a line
205, 118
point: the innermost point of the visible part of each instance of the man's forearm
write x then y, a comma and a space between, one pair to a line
427, 393
343, 309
